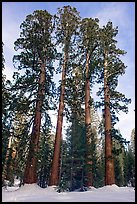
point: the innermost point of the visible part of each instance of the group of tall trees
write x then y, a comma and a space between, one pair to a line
87, 54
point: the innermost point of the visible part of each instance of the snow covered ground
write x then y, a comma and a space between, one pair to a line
34, 193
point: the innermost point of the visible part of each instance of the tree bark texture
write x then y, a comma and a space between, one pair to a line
109, 162
30, 175
88, 124
7, 173
9, 163
55, 168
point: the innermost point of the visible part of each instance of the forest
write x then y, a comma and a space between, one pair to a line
93, 152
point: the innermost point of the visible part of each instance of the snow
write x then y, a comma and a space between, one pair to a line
34, 193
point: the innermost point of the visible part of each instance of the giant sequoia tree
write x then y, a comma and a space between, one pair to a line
36, 58
87, 51
89, 42
112, 67
67, 20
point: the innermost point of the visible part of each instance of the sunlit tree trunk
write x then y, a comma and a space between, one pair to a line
109, 162
55, 168
88, 124
8, 165
30, 175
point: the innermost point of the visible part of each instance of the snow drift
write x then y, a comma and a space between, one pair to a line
34, 193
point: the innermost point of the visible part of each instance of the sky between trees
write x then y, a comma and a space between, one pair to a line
122, 14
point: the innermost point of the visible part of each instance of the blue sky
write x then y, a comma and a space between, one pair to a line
122, 14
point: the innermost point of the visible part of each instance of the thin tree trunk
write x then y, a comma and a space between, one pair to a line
88, 123
72, 151
7, 173
54, 177
109, 161
8, 166
30, 175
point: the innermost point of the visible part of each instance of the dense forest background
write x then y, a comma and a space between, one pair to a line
93, 152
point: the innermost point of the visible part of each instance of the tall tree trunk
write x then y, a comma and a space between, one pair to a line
109, 161
7, 173
54, 176
30, 175
88, 124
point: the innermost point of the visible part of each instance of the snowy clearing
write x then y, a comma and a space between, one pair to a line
34, 193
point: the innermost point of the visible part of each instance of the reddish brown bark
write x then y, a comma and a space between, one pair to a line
88, 123
30, 175
55, 168
109, 162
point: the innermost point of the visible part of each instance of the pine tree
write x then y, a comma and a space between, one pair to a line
6, 125
133, 140
76, 140
21, 124
75, 116
67, 20
45, 154
118, 152
3, 111
89, 42
101, 163
109, 165
129, 167
36, 58
95, 146
112, 68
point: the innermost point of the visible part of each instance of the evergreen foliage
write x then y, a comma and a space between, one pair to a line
82, 49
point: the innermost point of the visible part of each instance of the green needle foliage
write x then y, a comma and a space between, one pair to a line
86, 55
